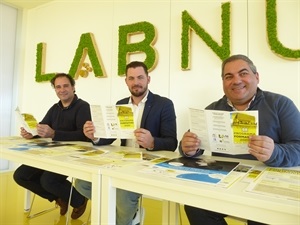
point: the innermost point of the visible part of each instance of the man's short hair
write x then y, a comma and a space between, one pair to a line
237, 57
135, 64
68, 76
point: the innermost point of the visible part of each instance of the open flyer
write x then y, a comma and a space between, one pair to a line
223, 131
113, 121
28, 122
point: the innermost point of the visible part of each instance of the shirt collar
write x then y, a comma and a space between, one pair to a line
234, 109
143, 100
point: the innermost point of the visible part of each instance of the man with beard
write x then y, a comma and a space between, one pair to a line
156, 121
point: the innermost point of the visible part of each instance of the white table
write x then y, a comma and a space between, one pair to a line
233, 201
58, 165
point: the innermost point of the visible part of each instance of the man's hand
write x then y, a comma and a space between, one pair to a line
89, 130
144, 138
45, 131
261, 147
190, 143
25, 134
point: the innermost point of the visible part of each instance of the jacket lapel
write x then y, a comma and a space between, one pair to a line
147, 109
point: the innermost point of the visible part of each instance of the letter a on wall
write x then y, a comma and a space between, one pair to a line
87, 46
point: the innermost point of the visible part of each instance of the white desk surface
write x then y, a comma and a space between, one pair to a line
232, 201
58, 165
63, 164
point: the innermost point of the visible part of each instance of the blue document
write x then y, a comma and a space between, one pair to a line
198, 169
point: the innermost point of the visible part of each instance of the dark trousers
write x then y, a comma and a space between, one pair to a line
48, 185
198, 216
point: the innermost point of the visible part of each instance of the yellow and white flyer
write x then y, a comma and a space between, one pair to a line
223, 131
28, 121
113, 121
277, 182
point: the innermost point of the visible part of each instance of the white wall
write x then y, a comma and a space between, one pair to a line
61, 23
8, 27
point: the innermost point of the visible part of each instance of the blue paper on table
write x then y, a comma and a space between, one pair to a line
198, 169
38, 144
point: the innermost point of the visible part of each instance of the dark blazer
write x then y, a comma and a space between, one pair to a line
159, 118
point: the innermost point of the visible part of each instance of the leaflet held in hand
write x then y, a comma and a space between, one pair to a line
223, 131
113, 121
28, 121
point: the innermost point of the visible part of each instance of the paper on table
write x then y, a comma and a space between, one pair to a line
113, 121
223, 131
133, 156
42, 147
206, 171
277, 182
28, 121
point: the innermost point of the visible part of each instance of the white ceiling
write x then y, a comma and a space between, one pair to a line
27, 4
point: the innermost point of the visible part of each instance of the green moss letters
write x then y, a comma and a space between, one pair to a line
189, 24
275, 45
145, 46
87, 45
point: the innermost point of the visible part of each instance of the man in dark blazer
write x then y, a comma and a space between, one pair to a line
156, 121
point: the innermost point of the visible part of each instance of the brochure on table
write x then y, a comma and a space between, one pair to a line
28, 121
277, 182
203, 170
47, 148
223, 131
81, 153
113, 121
197, 169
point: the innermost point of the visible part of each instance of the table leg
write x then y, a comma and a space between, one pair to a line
108, 202
96, 200
170, 214
174, 213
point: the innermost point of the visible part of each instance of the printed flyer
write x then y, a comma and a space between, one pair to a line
28, 122
277, 182
207, 171
113, 121
223, 131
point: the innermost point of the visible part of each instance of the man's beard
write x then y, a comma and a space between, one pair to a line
138, 93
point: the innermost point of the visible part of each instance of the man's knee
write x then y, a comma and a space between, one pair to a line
17, 177
127, 197
84, 188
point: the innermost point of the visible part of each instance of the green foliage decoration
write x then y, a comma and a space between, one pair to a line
189, 24
275, 45
87, 46
144, 46
40, 75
